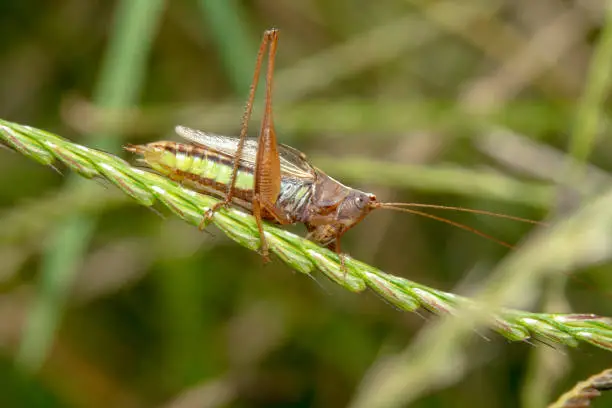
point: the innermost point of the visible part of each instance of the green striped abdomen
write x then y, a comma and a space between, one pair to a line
210, 172
198, 164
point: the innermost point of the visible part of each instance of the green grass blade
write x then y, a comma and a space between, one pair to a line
120, 80
588, 119
550, 254
226, 23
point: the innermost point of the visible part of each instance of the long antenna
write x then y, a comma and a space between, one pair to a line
446, 221
468, 210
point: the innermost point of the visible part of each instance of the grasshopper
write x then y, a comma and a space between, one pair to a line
272, 181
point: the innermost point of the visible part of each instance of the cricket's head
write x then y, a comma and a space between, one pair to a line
355, 206
333, 221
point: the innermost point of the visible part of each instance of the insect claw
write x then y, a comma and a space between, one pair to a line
206, 219
343, 267
265, 251
209, 214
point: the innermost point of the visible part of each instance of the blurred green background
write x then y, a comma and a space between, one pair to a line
474, 104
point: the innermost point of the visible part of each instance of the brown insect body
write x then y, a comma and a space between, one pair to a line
273, 181
306, 195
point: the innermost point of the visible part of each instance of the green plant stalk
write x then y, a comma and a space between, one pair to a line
119, 84
226, 22
588, 118
297, 252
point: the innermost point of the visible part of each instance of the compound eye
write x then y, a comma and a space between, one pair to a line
360, 201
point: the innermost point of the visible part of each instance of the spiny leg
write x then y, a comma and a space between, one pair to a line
258, 219
267, 184
270, 36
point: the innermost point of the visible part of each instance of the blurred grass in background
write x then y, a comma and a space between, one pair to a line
470, 104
